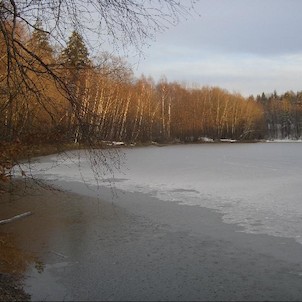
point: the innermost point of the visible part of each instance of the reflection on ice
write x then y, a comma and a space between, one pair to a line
255, 185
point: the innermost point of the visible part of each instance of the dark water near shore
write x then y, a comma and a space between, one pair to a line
135, 247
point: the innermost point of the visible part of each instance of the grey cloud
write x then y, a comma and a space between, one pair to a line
250, 26
248, 46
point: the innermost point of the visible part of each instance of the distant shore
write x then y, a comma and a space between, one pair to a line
131, 246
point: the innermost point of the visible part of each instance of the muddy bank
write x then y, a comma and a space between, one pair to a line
130, 246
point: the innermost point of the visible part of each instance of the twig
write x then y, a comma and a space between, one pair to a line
59, 254
15, 217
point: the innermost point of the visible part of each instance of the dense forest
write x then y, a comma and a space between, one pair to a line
282, 115
70, 98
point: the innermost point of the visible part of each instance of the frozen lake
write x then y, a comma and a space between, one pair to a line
258, 186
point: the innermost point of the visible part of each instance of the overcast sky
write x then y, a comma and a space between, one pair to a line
245, 46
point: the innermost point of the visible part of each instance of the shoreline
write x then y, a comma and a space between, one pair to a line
131, 246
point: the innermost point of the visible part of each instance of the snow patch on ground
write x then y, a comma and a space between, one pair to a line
285, 140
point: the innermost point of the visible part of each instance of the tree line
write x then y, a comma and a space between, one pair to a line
107, 102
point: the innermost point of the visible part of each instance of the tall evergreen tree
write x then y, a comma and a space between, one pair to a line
75, 61
75, 55
39, 42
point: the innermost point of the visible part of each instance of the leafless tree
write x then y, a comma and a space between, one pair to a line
118, 23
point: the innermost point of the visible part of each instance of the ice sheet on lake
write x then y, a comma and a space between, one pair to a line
258, 186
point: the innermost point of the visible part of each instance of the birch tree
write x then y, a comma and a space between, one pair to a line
121, 23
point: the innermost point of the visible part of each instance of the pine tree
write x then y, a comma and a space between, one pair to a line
39, 42
75, 55
75, 61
